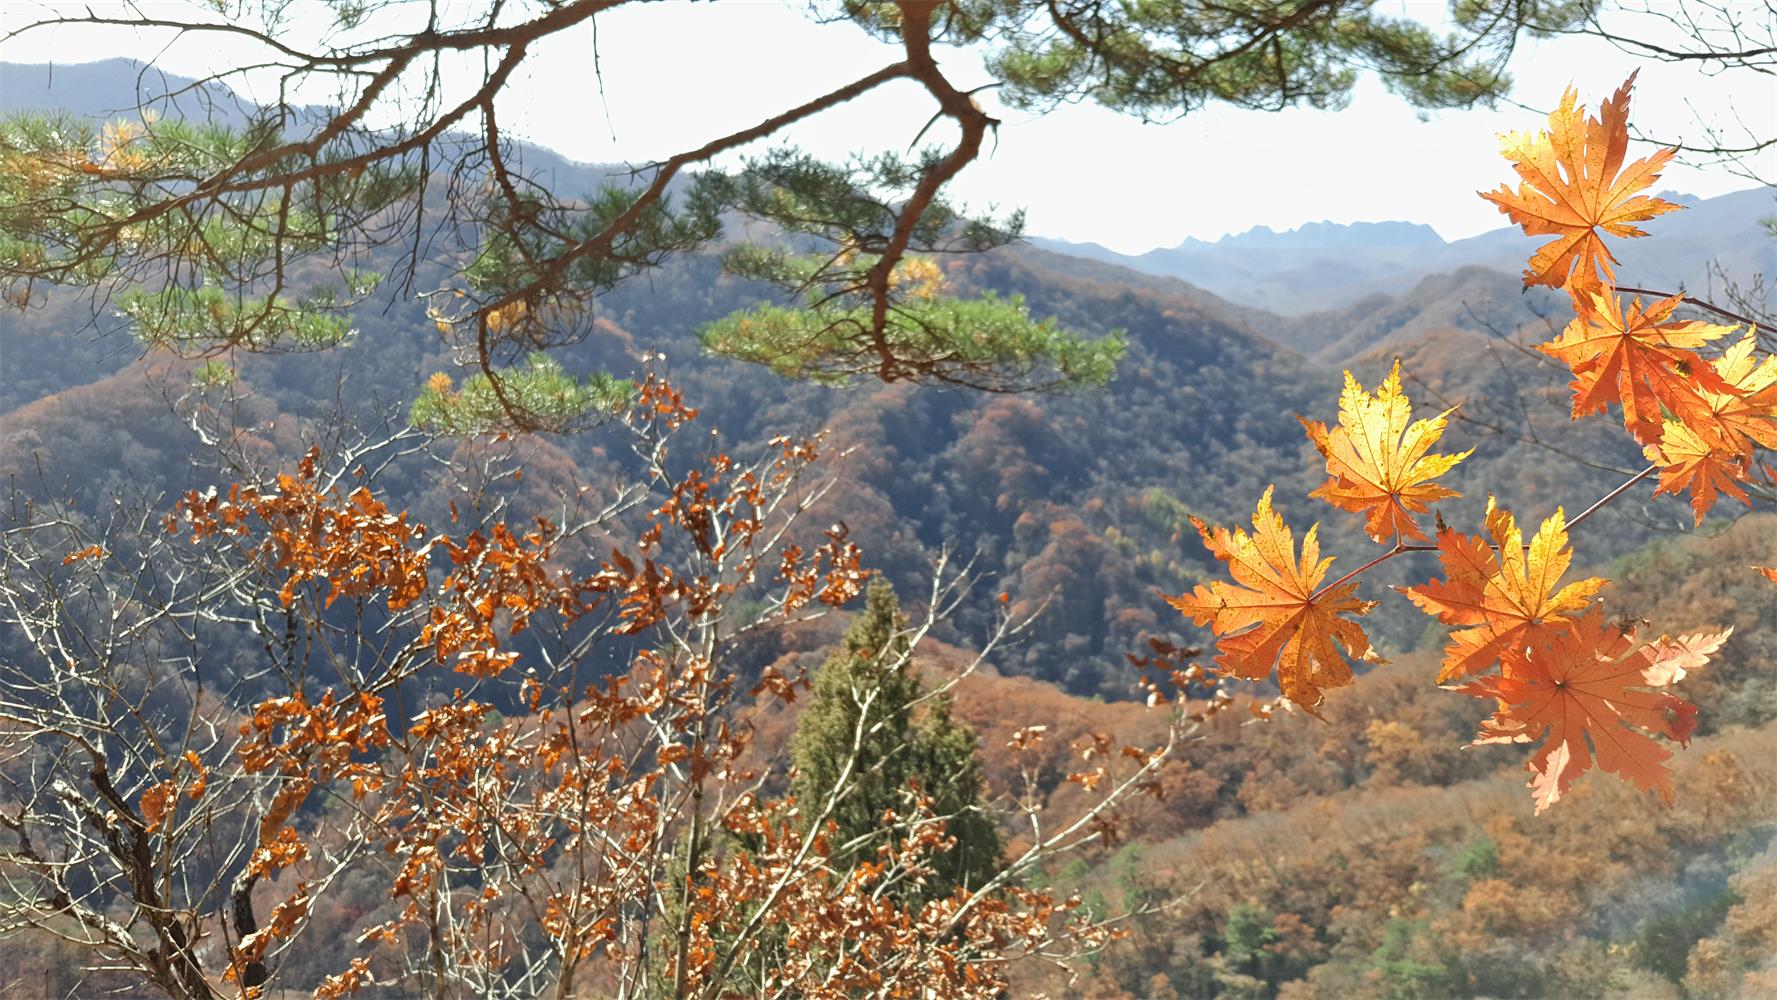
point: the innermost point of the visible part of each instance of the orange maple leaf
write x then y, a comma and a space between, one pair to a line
1589, 682
1501, 593
1274, 614
1716, 453
1768, 572
1745, 418
1378, 463
1574, 185
1692, 462
1638, 359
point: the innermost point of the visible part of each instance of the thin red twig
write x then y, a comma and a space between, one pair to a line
1400, 548
1691, 300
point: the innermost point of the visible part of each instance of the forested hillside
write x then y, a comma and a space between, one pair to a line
1367, 853
1081, 500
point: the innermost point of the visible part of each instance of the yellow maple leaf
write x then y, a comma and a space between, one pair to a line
1274, 613
1746, 417
1380, 464
1575, 185
1501, 594
1701, 465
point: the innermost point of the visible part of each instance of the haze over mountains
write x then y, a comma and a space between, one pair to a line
1371, 855
1315, 267
1082, 496
1325, 265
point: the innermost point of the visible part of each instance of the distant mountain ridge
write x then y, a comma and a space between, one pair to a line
1308, 235
1078, 502
1329, 234
1328, 265
1317, 267
111, 88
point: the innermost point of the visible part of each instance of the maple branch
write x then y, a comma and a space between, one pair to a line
1692, 300
1401, 549
1612, 495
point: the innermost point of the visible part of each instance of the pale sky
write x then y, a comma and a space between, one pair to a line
676, 75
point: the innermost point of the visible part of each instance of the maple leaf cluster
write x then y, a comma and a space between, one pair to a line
1280, 611
1700, 419
1539, 649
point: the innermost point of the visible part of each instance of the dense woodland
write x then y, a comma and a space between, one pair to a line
1321, 859
1372, 853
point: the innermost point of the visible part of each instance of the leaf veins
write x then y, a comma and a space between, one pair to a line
1379, 463
1501, 594
1588, 683
1272, 615
1718, 455
1575, 185
1691, 462
1745, 417
1638, 359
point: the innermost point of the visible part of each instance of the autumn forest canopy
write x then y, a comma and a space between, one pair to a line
434, 567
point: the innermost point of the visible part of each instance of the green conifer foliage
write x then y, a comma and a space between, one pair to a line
266, 228
865, 728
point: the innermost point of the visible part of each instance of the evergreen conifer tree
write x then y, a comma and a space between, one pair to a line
865, 728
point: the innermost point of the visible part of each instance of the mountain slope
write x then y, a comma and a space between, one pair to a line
1077, 503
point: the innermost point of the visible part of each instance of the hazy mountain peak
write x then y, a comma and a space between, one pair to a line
1323, 234
114, 88
1679, 198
